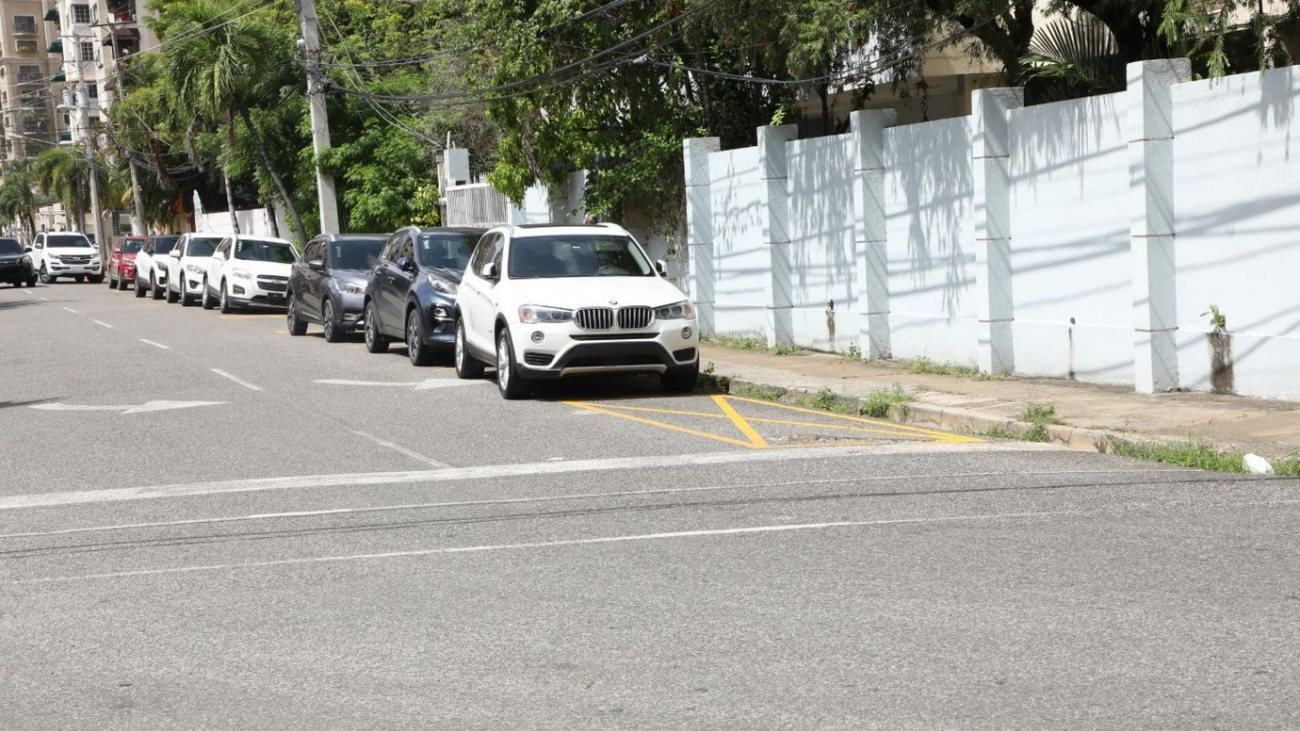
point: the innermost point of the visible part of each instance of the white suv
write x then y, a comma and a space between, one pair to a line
65, 254
151, 267
552, 301
248, 270
186, 264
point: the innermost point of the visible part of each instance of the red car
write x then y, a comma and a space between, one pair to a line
121, 263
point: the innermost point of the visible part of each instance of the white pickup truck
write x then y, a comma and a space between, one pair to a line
65, 254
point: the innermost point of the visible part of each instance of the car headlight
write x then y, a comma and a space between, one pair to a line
683, 310
350, 287
240, 274
532, 314
194, 269
440, 285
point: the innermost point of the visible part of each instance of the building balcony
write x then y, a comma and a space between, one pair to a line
52, 14
58, 76
56, 46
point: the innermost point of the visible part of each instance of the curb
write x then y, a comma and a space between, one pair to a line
950, 419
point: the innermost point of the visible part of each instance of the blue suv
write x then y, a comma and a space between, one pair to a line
411, 294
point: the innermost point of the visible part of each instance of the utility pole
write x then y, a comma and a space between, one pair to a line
137, 221
320, 125
83, 106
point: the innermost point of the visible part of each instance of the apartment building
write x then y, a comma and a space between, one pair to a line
27, 118
96, 40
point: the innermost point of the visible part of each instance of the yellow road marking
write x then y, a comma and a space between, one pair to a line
651, 422
901, 427
740, 422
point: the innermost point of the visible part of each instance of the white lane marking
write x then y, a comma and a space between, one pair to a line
101, 323
551, 544
156, 345
28, 291
399, 448
47, 299
69, 309
146, 407
453, 474
236, 379
425, 385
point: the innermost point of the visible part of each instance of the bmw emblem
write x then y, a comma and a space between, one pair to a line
613, 302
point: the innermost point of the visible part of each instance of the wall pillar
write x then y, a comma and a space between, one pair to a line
699, 228
870, 246
1150, 131
774, 169
991, 163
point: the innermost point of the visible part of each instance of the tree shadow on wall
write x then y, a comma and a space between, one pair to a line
821, 220
933, 182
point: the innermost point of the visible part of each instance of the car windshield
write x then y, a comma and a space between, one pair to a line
164, 244
446, 250
67, 241
577, 255
259, 250
203, 246
10, 246
131, 246
355, 253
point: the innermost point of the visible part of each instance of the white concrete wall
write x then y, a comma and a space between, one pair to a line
741, 260
1071, 279
820, 189
253, 222
928, 204
1237, 217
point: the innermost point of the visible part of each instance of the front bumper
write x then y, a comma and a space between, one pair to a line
351, 311
566, 350
63, 269
246, 292
16, 272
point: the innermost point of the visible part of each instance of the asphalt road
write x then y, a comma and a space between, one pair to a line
337, 540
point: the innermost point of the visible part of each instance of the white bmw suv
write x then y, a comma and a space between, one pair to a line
550, 301
248, 270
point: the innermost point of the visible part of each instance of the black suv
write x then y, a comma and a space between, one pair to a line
15, 264
411, 295
328, 283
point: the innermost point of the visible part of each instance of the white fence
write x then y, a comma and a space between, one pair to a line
1082, 239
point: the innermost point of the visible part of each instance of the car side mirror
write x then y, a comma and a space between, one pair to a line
490, 271
316, 266
661, 266
175, 254
405, 264
27, 249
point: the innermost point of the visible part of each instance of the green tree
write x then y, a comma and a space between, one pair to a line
18, 196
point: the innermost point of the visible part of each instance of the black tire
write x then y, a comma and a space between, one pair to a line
329, 321
154, 290
187, 299
467, 366
172, 297
509, 382
417, 350
112, 282
297, 325
375, 340
208, 301
96, 278
45, 276
681, 379
227, 306
139, 287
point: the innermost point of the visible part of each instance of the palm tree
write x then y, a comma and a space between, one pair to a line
18, 196
222, 68
60, 172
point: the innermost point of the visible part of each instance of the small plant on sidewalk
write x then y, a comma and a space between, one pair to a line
1039, 417
880, 403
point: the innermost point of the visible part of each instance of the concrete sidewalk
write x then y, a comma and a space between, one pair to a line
1094, 416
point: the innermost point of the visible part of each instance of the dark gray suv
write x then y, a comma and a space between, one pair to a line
327, 285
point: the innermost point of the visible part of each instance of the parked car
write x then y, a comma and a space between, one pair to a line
15, 264
554, 301
65, 254
150, 270
328, 283
412, 290
186, 264
121, 260
248, 270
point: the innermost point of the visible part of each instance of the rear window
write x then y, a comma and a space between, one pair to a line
66, 241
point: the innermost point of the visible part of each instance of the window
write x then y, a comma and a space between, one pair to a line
94, 91
26, 45
25, 24
446, 251
87, 51
81, 13
481, 256
28, 74
407, 249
